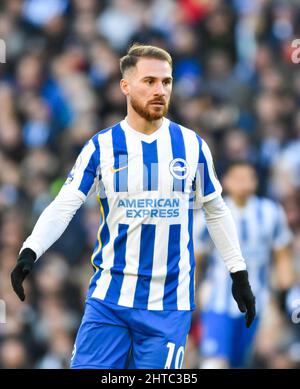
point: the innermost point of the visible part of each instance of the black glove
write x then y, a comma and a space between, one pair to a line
242, 293
21, 270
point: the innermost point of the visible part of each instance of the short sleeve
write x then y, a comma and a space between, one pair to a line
82, 177
207, 184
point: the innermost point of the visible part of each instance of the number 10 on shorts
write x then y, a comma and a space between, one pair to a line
178, 358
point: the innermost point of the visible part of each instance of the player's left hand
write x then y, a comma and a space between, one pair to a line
242, 293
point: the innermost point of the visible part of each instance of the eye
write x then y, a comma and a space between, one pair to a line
167, 82
149, 82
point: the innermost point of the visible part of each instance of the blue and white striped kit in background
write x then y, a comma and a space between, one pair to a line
146, 185
262, 227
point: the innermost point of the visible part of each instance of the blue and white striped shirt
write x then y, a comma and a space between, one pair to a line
146, 186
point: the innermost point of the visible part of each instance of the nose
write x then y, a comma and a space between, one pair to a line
160, 90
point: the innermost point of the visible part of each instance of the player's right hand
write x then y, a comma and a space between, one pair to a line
23, 267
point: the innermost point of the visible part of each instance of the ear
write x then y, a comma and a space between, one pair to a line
124, 85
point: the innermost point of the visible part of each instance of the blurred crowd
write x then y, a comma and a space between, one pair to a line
234, 82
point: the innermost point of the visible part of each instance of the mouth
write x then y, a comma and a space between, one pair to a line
157, 103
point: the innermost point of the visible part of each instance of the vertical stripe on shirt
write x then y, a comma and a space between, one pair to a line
243, 228
178, 150
120, 159
150, 166
207, 185
183, 298
171, 283
192, 258
113, 292
159, 269
145, 265
135, 163
103, 239
132, 262
165, 156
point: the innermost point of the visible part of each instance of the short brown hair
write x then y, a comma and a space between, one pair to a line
137, 51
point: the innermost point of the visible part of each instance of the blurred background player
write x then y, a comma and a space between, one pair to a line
265, 238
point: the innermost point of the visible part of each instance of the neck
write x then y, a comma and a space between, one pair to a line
140, 124
240, 201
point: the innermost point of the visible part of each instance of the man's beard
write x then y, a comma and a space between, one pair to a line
144, 111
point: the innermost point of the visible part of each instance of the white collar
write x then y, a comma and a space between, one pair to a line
144, 137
